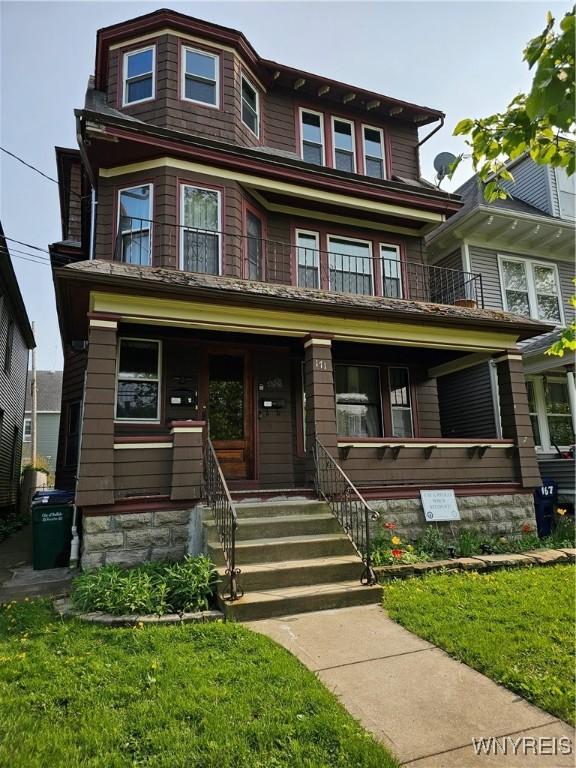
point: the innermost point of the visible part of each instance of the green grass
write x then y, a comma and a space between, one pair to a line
77, 695
515, 626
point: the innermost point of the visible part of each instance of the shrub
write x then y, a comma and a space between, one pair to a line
151, 588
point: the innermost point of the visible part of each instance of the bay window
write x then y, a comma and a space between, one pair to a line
373, 152
250, 106
308, 256
134, 225
200, 231
138, 380
312, 136
531, 288
350, 265
400, 402
391, 271
343, 144
358, 401
138, 76
200, 77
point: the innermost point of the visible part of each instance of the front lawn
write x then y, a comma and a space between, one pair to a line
515, 626
74, 694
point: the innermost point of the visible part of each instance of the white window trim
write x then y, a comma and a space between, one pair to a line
125, 102
183, 226
392, 246
379, 371
150, 212
251, 84
352, 125
352, 240
410, 407
120, 419
216, 58
27, 438
365, 154
541, 413
301, 112
531, 285
316, 236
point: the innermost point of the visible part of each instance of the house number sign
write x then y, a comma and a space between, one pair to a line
439, 506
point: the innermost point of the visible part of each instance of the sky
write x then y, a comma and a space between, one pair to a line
464, 58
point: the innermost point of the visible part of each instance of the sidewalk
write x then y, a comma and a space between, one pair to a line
423, 704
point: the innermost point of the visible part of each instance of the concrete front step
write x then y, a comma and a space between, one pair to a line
281, 509
276, 527
295, 573
290, 600
287, 548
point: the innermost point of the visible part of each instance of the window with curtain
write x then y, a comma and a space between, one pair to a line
558, 412
391, 271
343, 141
200, 230
373, 152
254, 245
350, 265
312, 136
138, 384
139, 75
308, 255
400, 402
250, 106
200, 77
134, 225
358, 401
531, 288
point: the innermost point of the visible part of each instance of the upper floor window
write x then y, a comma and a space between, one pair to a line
138, 380
308, 255
312, 136
200, 77
343, 143
139, 75
566, 194
250, 106
350, 265
373, 152
254, 246
391, 271
200, 243
134, 225
531, 288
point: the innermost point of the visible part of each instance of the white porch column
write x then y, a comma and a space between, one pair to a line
572, 397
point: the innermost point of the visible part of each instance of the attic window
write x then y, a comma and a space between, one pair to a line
200, 73
139, 75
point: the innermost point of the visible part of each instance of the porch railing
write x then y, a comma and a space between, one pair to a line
348, 506
341, 269
225, 517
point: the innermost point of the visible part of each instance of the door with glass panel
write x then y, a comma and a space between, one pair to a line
134, 226
200, 239
229, 413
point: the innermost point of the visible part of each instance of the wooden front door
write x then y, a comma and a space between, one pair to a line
229, 413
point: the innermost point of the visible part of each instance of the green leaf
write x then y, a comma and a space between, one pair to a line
463, 127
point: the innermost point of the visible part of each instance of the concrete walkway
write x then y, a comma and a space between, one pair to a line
424, 705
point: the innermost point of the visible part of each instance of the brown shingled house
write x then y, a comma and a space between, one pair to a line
247, 314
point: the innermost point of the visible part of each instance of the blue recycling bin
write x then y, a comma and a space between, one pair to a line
545, 502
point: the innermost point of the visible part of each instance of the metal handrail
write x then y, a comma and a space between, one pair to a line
348, 506
225, 516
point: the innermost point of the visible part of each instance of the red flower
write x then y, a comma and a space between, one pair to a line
390, 526
397, 552
526, 528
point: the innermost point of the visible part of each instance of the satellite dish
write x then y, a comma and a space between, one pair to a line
442, 163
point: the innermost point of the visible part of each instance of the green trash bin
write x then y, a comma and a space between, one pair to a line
51, 529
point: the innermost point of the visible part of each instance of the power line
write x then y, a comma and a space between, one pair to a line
27, 245
45, 175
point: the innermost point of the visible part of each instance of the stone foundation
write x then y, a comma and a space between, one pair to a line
137, 537
494, 515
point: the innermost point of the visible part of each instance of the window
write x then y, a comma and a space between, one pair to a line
72, 434
134, 225
308, 255
139, 76
254, 245
531, 288
200, 245
358, 401
200, 77
9, 346
350, 264
27, 434
391, 271
250, 106
138, 385
373, 152
550, 412
400, 402
312, 136
566, 194
343, 142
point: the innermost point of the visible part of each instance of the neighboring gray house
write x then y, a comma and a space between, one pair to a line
49, 389
523, 247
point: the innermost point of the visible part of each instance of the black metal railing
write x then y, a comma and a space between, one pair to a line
218, 498
340, 269
348, 506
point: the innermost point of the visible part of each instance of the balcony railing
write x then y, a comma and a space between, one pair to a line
340, 269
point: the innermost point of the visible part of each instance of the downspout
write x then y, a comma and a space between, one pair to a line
80, 127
